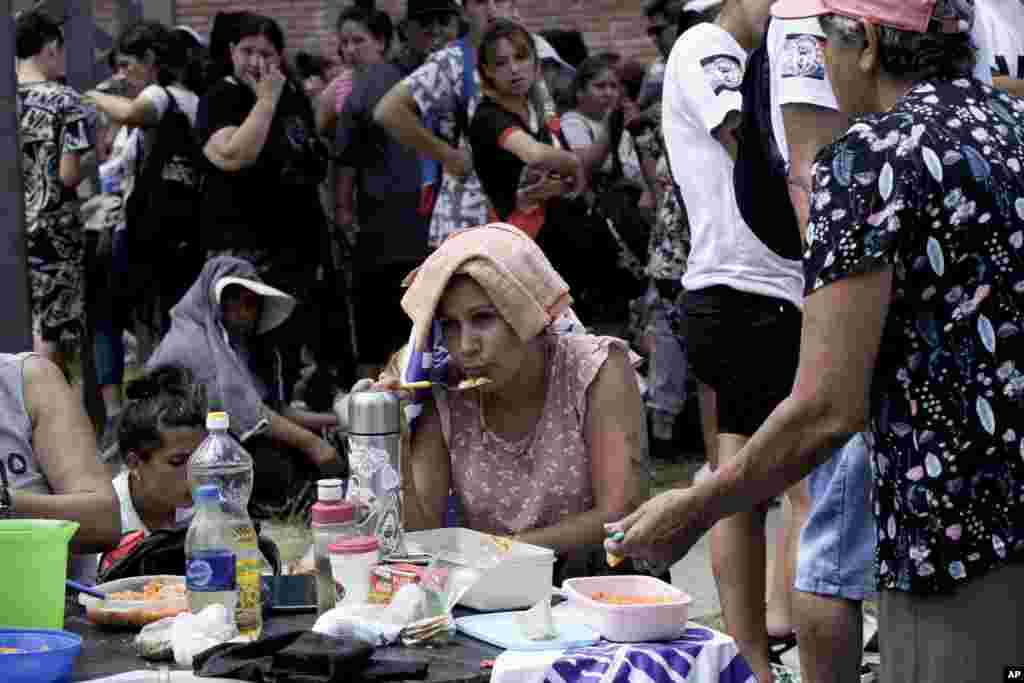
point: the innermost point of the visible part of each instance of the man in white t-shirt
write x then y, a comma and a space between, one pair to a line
1000, 26
744, 281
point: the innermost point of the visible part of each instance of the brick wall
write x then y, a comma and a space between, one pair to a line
309, 24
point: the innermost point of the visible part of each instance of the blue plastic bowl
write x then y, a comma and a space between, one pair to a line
48, 656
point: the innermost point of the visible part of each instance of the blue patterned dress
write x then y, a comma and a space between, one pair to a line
933, 189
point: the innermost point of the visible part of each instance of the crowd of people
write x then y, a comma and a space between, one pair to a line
458, 197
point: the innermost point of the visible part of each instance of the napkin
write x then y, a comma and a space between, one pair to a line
537, 622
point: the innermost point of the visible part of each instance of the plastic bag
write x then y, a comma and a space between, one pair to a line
154, 641
195, 633
378, 625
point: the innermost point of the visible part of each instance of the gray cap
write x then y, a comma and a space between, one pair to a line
374, 413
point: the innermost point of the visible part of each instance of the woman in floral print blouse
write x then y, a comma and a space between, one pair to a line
915, 295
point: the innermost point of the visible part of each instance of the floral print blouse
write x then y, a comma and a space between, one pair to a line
506, 487
933, 189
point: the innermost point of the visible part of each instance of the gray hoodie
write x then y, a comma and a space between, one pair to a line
198, 341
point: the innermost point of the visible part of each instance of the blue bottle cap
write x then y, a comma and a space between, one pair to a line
207, 493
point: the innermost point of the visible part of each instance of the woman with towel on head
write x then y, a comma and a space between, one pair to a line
550, 448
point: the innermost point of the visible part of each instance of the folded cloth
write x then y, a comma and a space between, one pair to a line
302, 657
527, 291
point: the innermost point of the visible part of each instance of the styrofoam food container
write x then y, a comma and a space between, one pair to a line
631, 623
514, 579
132, 613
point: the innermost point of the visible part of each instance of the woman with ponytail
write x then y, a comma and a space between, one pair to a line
162, 424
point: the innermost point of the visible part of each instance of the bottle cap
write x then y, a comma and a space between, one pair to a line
208, 493
218, 420
329, 490
373, 413
333, 512
354, 546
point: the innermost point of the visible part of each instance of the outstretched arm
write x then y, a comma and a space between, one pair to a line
64, 445
398, 113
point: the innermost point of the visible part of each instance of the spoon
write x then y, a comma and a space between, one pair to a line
88, 590
464, 385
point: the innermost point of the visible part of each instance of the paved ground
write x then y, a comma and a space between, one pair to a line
693, 572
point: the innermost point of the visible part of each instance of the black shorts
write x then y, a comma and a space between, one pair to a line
746, 347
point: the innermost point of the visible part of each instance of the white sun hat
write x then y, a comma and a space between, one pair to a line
277, 306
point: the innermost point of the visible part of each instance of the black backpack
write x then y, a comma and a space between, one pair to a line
161, 213
760, 173
160, 553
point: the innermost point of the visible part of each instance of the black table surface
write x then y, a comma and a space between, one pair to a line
107, 652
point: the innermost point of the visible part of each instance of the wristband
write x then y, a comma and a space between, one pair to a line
5, 494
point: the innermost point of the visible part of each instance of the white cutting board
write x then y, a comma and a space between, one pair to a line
502, 629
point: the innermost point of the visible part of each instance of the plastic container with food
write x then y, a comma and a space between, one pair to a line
515, 575
37, 655
630, 609
136, 601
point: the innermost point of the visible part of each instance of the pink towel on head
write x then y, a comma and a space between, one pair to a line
527, 291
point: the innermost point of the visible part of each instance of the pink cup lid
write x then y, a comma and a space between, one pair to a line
354, 546
334, 512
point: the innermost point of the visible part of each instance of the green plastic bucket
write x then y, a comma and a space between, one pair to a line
33, 567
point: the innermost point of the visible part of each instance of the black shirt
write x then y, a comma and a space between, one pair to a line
391, 229
499, 170
274, 201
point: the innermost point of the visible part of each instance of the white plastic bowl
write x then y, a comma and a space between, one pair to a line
631, 623
514, 579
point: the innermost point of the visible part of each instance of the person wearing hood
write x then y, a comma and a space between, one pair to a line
217, 332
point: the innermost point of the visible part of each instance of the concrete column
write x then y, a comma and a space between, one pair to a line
16, 330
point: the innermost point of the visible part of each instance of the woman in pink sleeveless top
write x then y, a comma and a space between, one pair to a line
550, 449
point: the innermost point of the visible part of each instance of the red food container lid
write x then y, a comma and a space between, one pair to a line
354, 546
333, 513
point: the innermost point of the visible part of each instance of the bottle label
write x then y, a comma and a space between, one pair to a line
209, 571
245, 537
248, 613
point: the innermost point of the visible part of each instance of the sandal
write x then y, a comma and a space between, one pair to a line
780, 645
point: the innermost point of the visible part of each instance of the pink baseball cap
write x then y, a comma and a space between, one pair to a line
920, 16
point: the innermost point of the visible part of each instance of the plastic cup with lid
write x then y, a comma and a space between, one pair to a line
352, 563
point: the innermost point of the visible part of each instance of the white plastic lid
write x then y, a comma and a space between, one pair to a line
218, 421
329, 490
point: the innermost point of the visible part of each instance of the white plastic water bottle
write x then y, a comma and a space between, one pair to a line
221, 461
209, 555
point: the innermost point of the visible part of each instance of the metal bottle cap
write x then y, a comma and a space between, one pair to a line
374, 412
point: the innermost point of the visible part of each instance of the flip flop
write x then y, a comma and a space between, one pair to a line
780, 645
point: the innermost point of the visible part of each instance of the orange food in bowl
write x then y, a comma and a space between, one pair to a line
160, 599
612, 599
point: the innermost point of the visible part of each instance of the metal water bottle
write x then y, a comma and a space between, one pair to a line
374, 452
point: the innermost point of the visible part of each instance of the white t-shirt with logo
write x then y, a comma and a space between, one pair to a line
702, 86
796, 61
999, 28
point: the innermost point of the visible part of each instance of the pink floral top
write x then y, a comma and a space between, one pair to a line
507, 487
